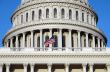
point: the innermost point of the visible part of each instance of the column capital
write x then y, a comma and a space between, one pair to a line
108, 64
84, 64
50, 64
78, 31
50, 28
40, 29
24, 33
93, 35
32, 31
32, 64
17, 35
25, 64
69, 29
67, 64
7, 64
60, 29
91, 64
11, 38
86, 33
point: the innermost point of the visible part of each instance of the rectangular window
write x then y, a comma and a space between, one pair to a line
83, 17
26, 17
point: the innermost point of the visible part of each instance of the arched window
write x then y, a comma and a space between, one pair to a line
47, 38
77, 18
83, 17
47, 13
91, 18
33, 15
87, 18
26, 17
40, 14
94, 21
72, 41
55, 13
84, 42
21, 18
38, 41
70, 14
63, 41
62, 13
56, 41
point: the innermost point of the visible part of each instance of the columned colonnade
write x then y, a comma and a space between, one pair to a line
65, 38
84, 67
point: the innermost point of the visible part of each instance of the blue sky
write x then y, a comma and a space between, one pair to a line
101, 7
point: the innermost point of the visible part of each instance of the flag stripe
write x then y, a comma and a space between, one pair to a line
49, 41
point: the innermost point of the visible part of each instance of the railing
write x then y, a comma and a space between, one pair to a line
54, 49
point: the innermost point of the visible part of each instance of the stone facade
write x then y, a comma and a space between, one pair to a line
79, 46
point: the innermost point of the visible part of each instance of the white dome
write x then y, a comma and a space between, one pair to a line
72, 19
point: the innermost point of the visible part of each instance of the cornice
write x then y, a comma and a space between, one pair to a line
43, 24
54, 55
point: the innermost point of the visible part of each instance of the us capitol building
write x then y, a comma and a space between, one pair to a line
79, 46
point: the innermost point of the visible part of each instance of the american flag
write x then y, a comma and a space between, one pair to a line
49, 41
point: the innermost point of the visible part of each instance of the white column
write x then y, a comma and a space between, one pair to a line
7, 43
49, 67
25, 67
40, 38
16, 41
60, 38
79, 39
23, 40
32, 35
91, 67
87, 40
44, 39
32, 67
69, 39
93, 38
108, 67
66, 67
11, 42
7, 67
84, 67
50, 35
98, 42
102, 43
1, 67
